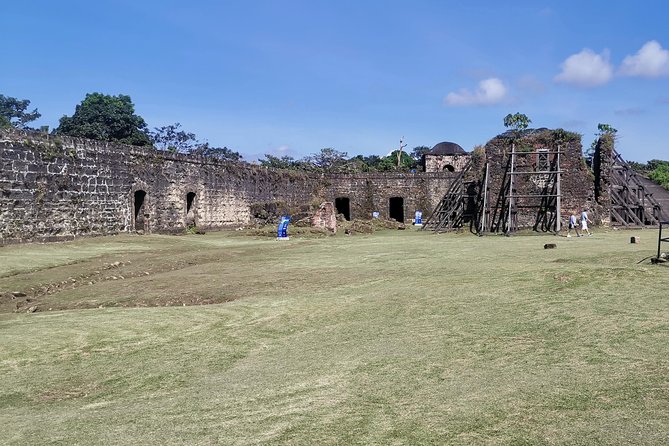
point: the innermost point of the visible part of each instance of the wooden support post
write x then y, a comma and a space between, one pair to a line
558, 203
513, 162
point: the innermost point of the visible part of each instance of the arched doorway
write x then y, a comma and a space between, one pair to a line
139, 198
343, 206
396, 209
449, 168
190, 209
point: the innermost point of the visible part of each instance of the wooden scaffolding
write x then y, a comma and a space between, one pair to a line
545, 174
631, 204
457, 206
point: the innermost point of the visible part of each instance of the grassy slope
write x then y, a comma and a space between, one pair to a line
393, 338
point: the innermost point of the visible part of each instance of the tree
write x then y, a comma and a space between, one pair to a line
13, 112
106, 118
222, 153
328, 159
606, 129
418, 152
659, 172
172, 139
284, 162
517, 121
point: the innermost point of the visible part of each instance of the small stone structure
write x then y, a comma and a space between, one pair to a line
325, 217
445, 156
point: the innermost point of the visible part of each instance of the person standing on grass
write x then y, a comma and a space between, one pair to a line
584, 222
572, 225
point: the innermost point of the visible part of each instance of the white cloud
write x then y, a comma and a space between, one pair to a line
650, 61
586, 69
490, 91
282, 149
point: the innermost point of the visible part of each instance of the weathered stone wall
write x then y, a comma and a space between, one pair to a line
369, 193
438, 163
53, 188
57, 188
602, 164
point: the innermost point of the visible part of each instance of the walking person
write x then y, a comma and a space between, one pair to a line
572, 225
584, 222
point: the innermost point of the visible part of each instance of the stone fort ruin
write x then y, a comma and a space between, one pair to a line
56, 188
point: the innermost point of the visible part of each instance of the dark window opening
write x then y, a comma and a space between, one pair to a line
396, 209
190, 198
140, 195
449, 167
343, 206
543, 164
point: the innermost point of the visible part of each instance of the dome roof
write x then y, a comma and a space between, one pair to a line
447, 148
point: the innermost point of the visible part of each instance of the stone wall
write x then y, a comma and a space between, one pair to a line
368, 193
602, 164
55, 188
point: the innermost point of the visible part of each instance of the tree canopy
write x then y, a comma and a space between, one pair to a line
517, 121
13, 112
221, 153
418, 152
172, 138
330, 160
106, 118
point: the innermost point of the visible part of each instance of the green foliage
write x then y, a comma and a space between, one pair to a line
563, 136
284, 162
602, 131
328, 160
418, 152
13, 112
606, 129
389, 163
659, 172
106, 118
517, 121
222, 153
172, 139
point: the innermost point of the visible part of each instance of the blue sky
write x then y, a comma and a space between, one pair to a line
292, 77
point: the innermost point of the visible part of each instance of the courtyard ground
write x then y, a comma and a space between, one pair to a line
398, 337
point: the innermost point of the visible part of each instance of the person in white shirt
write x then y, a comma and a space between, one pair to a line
584, 222
572, 225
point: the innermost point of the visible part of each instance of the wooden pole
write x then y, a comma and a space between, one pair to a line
485, 199
558, 202
513, 162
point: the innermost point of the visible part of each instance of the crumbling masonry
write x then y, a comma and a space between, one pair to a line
55, 188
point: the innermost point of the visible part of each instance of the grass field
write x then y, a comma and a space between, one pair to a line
398, 337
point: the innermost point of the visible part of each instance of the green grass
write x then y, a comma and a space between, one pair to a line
399, 337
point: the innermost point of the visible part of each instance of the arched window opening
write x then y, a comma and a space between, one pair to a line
139, 199
190, 199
